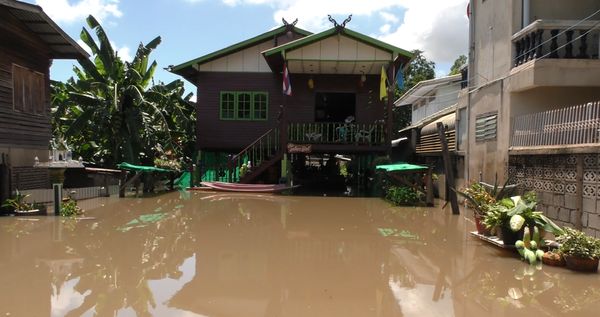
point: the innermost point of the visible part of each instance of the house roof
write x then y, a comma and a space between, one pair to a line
186, 68
276, 56
424, 87
61, 45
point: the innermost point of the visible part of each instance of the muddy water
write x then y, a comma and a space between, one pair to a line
205, 254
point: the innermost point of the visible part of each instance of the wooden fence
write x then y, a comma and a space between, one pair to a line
573, 125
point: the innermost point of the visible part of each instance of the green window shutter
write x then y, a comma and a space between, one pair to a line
260, 105
244, 106
227, 105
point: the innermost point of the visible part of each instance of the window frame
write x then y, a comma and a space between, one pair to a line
236, 105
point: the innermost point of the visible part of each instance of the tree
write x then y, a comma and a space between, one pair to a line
458, 64
113, 111
418, 70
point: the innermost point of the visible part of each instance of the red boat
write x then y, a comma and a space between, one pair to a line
245, 188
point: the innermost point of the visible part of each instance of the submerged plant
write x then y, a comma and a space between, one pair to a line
18, 202
403, 195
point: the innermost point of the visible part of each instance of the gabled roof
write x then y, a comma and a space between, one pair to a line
186, 68
33, 17
276, 55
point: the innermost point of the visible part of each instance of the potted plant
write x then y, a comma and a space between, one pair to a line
481, 197
479, 200
581, 252
20, 206
512, 215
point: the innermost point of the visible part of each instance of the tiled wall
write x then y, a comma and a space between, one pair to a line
554, 178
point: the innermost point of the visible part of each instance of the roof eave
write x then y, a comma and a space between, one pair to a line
177, 69
80, 52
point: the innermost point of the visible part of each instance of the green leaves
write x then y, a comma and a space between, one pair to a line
110, 111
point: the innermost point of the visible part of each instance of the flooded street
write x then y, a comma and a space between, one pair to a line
207, 254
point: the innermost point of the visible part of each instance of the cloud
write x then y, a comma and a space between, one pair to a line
440, 28
437, 27
123, 52
389, 17
62, 11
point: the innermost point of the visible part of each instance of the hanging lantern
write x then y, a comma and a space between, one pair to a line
311, 83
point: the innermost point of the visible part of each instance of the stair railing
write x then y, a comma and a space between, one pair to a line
263, 148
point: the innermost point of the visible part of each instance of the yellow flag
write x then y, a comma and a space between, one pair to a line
383, 84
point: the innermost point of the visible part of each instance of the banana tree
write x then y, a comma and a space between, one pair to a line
112, 110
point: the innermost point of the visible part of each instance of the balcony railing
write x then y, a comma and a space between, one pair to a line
556, 39
576, 125
337, 133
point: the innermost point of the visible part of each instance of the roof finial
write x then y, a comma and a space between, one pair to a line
339, 27
286, 23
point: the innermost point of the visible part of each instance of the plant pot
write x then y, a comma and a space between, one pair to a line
508, 236
581, 264
553, 259
481, 229
32, 212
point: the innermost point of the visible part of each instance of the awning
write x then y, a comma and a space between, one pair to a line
33, 17
401, 167
429, 140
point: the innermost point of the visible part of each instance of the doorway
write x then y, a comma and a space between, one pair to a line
334, 106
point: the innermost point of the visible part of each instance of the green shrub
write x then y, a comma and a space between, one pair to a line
576, 243
403, 195
69, 208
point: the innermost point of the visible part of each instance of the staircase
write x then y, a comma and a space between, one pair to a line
262, 153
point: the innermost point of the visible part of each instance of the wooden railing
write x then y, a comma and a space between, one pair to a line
556, 39
337, 133
264, 148
566, 126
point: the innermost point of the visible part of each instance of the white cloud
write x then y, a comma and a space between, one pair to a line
437, 27
123, 52
385, 28
62, 11
389, 17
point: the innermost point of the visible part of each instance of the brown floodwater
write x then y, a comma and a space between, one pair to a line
207, 254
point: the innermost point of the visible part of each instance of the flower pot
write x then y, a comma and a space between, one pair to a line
508, 236
481, 229
553, 259
581, 264
32, 212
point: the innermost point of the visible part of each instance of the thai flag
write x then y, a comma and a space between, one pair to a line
287, 86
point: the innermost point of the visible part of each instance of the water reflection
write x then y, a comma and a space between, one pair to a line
203, 254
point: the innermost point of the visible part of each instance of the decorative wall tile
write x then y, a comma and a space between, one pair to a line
559, 188
570, 175
571, 160
589, 190
590, 175
571, 188
548, 172
590, 160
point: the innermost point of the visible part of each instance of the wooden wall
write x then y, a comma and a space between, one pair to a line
19, 46
20, 131
216, 134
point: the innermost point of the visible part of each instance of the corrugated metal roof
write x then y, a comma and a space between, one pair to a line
61, 45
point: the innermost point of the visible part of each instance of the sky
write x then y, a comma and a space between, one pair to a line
192, 28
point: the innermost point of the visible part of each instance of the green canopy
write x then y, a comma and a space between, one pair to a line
140, 168
401, 167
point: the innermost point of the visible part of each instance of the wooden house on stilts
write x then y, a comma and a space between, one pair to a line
333, 110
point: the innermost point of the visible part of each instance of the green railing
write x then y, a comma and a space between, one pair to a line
337, 133
264, 148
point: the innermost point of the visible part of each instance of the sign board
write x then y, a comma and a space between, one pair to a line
299, 148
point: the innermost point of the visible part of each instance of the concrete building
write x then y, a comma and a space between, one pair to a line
432, 101
532, 102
